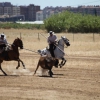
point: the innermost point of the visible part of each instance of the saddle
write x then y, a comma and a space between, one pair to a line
8, 47
5, 48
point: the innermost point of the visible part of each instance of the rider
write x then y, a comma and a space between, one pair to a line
3, 42
51, 41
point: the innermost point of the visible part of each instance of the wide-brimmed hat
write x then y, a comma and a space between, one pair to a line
51, 32
2, 35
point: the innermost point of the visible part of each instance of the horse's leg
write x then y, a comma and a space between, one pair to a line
50, 70
62, 62
50, 73
22, 63
2, 70
18, 64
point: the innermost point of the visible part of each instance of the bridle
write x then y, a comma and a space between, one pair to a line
64, 41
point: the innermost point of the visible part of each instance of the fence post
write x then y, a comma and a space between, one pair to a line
93, 38
38, 37
20, 36
73, 37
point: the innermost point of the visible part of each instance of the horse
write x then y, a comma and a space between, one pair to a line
13, 54
46, 63
59, 50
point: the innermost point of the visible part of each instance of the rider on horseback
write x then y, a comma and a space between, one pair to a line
52, 41
3, 42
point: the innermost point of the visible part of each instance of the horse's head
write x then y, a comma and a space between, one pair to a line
66, 41
18, 42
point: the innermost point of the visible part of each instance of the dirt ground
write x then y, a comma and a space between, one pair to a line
75, 81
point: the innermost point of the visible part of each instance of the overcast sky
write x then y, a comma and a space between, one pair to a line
53, 3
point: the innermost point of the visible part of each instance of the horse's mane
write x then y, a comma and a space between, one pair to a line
15, 40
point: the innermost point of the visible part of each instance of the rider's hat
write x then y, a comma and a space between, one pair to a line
51, 32
2, 35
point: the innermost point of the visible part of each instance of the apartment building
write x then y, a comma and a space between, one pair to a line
93, 10
32, 9
16, 10
48, 11
6, 8
1, 10
9, 10
24, 11
29, 12
33, 12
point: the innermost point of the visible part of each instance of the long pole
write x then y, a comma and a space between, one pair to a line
30, 50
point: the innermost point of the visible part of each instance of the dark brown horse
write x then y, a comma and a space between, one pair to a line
47, 63
12, 54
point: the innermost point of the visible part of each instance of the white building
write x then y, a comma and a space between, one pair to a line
39, 16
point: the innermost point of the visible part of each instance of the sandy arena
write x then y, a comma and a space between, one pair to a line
74, 82
79, 79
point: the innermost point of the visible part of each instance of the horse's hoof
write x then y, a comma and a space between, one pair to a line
60, 65
6, 75
56, 66
50, 75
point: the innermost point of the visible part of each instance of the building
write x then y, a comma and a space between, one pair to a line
8, 10
1, 11
39, 16
32, 12
16, 10
24, 11
93, 10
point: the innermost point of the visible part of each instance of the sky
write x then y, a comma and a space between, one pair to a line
53, 3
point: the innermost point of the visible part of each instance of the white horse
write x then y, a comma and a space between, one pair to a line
59, 50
